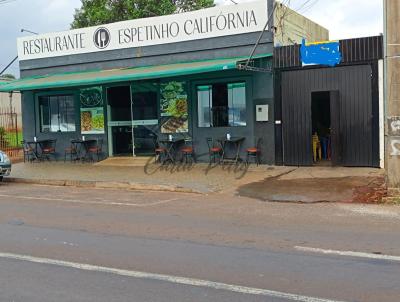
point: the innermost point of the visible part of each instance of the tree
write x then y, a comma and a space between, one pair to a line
97, 12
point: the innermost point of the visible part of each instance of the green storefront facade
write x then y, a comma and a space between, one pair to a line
194, 88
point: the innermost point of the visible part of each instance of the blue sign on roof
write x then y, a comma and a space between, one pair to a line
321, 53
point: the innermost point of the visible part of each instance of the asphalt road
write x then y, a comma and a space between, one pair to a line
71, 244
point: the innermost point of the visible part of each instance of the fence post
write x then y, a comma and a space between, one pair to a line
17, 143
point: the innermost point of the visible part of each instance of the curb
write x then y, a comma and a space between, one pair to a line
102, 185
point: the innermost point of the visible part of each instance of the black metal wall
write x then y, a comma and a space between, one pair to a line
354, 51
359, 115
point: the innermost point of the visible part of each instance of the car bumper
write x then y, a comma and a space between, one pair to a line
5, 170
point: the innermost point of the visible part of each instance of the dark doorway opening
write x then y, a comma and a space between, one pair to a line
220, 105
120, 107
321, 127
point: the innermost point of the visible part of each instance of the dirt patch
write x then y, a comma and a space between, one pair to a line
373, 193
313, 190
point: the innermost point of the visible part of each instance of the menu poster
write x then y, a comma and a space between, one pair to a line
174, 107
92, 111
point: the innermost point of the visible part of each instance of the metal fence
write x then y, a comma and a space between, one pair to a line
10, 133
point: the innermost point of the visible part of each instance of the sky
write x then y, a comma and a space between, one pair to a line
343, 18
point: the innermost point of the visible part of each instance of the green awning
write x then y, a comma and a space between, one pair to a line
98, 77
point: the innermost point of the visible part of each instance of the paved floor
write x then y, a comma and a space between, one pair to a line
94, 245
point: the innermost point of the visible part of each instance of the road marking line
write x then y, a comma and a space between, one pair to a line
91, 202
347, 253
166, 278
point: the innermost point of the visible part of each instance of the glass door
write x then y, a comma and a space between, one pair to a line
145, 97
119, 117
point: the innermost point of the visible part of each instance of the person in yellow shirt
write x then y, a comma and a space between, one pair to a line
316, 144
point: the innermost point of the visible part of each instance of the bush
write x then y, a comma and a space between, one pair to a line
3, 140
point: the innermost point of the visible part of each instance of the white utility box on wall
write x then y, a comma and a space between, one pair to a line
262, 113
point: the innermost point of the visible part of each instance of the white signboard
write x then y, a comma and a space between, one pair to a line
206, 23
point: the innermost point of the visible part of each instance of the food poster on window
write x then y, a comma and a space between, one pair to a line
92, 111
174, 107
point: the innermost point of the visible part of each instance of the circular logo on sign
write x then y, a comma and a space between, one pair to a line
102, 37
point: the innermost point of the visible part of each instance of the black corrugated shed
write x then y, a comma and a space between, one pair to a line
354, 81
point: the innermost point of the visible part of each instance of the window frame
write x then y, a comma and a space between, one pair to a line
228, 82
38, 115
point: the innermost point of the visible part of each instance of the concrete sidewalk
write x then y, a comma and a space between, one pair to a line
200, 178
285, 184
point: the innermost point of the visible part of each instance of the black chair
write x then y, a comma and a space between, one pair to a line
48, 149
214, 151
159, 151
254, 152
72, 151
187, 151
28, 152
95, 150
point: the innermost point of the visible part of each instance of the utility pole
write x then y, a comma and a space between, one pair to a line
392, 94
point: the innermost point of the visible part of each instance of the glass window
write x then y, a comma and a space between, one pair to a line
57, 113
222, 105
145, 101
204, 96
237, 104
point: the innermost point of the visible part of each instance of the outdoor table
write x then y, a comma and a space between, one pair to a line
82, 144
171, 147
34, 146
237, 143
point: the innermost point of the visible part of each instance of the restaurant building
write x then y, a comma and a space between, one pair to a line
186, 75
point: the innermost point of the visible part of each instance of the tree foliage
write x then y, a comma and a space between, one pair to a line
97, 12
